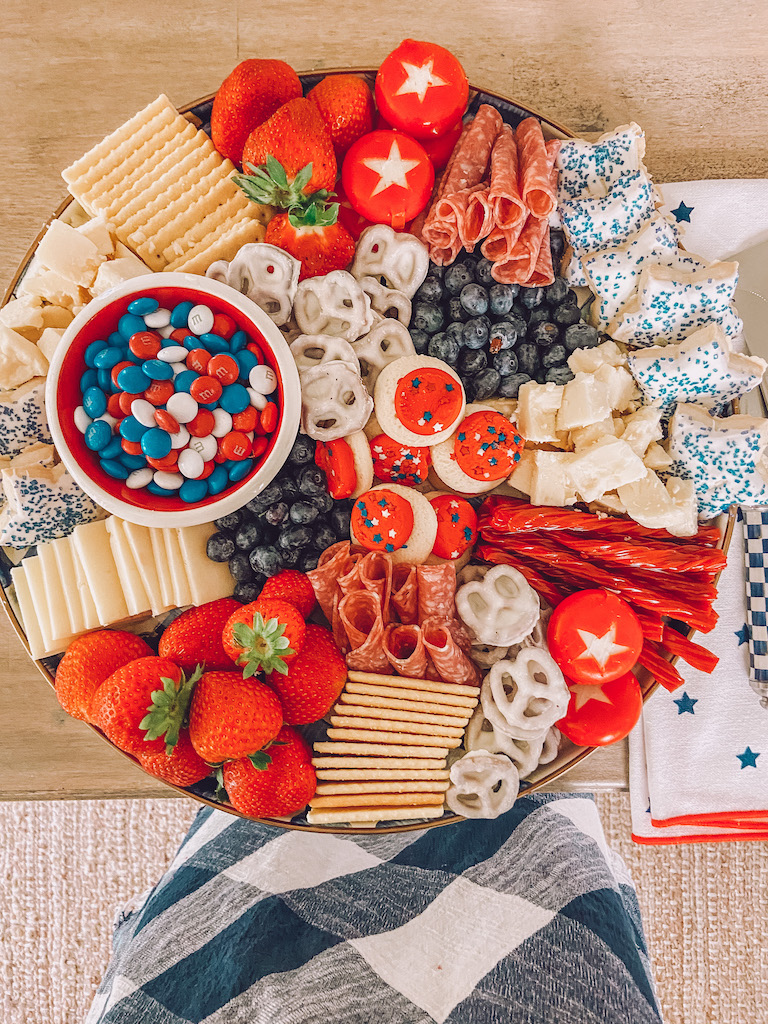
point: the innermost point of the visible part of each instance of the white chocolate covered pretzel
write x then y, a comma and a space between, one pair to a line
486, 655
386, 341
529, 692
399, 258
334, 402
482, 734
267, 275
483, 785
501, 609
333, 304
312, 350
387, 300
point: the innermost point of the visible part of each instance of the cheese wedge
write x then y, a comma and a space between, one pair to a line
208, 581
91, 541
135, 592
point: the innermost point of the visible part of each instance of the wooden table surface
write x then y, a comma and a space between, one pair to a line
692, 74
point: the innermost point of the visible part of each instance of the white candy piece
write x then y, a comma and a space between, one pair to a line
169, 481
167, 331
257, 400
386, 341
311, 350
159, 318
179, 439
144, 412
501, 609
334, 304
222, 422
529, 692
82, 419
191, 464
401, 259
172, 354
334, 402
263, 379
206, 446
267, 275
483, 785
182, 407
200, 320
386, 300
139, 478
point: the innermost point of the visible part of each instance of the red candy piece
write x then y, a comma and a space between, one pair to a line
235, 445
223, 368
382, 520
202, 424
594, 636
421, 88
114, 408
206, 389
158, 392
599, 715
131, 447
224, 326
254, 348
387, 177
208, 468
246, 420
259, 446
164, 419
126, 401
198, 360
487, 446
337, 461
116, 369
397, 463
427, 400
268, 418
145, 344
180, 334
169, 461
456, 526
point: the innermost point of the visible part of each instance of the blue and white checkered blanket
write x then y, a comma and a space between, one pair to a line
529, 918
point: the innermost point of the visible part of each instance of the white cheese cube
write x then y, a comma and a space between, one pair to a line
91, 541
49, 341
583, 437
609, 502
587, 360
69, 253
99, 231
551, 482
520, 478
56, 316
537, 409
20, 360
683, 494
656, 458
641, 428
584, 401
208, 581
605, 466
136, 596
619, 385
112, 273
51, 286
24, 315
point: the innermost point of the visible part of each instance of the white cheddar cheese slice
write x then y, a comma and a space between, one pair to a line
34, 574
29, 619
65, 566
87, 606
91, 541
135, 592
53, 585
208, 581
182, 595
161, 565
140, 542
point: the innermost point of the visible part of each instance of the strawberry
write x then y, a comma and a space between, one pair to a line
182, 767
87, 663
295, 137
283, 787
194, 638
315, 238
231, 716
314, 680
263, 636
294, 588
120, 705
346, 106
247, 97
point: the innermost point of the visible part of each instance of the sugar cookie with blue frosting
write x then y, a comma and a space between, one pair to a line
591, 168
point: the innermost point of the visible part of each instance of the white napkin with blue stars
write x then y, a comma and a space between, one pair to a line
699, 756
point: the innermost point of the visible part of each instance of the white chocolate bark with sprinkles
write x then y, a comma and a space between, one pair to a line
671, 304
22, 417
590, 168
702, 370
42, 504
724, 458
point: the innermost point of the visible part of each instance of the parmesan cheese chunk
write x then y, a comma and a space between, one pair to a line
588, 360
537, 409
672, 508
69, 253
606, 465
20, 360
641, 428
551, 482
585, 401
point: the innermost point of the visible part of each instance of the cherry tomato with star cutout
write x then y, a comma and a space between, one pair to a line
599, 715
421, 88
594, 636
387, 177
438, 147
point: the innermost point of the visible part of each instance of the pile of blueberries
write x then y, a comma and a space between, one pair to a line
498, 336
286, 526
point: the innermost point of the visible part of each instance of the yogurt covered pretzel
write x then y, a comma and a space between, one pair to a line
384, 299
501, 609
401, 259
267, 275
482, 734
334, 402
334, 304
483, 785
530, 692
312, 350
386, 341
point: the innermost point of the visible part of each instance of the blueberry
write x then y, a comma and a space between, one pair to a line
455, 331
474, 298
528, 358
457, 276
506, 334
566, 314
340, 518
537, 316
544, 334
276, 514
420, 340
558, 375
482, 385
483, 270
240, 567
312, 481
475, 332
309, 562
555, 355
443, 347
472, 361
248, 536
531, 297
456, 312
247, 591
501, 298
229, 522
303, 450
294, 537
427, 316
324, 537
266, 560
430, 290
323, 503
289, 488
291, 558
505, 362
434, 271
271, 494
220, 547
509, 386
581, 335
556, 292
303, 513
557, 247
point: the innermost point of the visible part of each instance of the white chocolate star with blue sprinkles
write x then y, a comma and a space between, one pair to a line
724, 458
42, 504
702, 369
671, 304
22, 417
590, 168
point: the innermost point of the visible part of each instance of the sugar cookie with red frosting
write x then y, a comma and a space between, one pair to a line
396, 463
347, 465
419, 400
394, 519
482, 452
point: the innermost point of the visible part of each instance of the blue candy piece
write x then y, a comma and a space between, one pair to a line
180, 314
104, 378
98, 435
107, 358
240, 470
193, 490
132, 461
190, 342
234, 399
156, 369
133, 380
114, 469
128, 325
143, 305
184, 380
218, 480
95, 402
113, 450
246, 361
155, 443
92, 351
132, 430
161, 492
238, 340
214, 343
90, 379
208, 405
116, 339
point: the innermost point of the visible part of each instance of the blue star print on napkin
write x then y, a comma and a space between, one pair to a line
748, 759
685, 703
683, 212
742, 634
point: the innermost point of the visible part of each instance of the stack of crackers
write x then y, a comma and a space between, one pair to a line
385, 758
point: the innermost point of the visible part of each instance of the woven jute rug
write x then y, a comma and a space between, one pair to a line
66, 866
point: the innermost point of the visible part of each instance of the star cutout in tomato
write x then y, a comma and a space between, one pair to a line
601, 648
583, 693
748, 759
392, 170
419, 78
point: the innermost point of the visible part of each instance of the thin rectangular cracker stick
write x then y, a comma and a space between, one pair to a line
379, 749
421, 707
407, 763
447, 699
388, 725
427, 685
406, 775
407, 739
348, 800
372, 815
393, 715
404, 786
